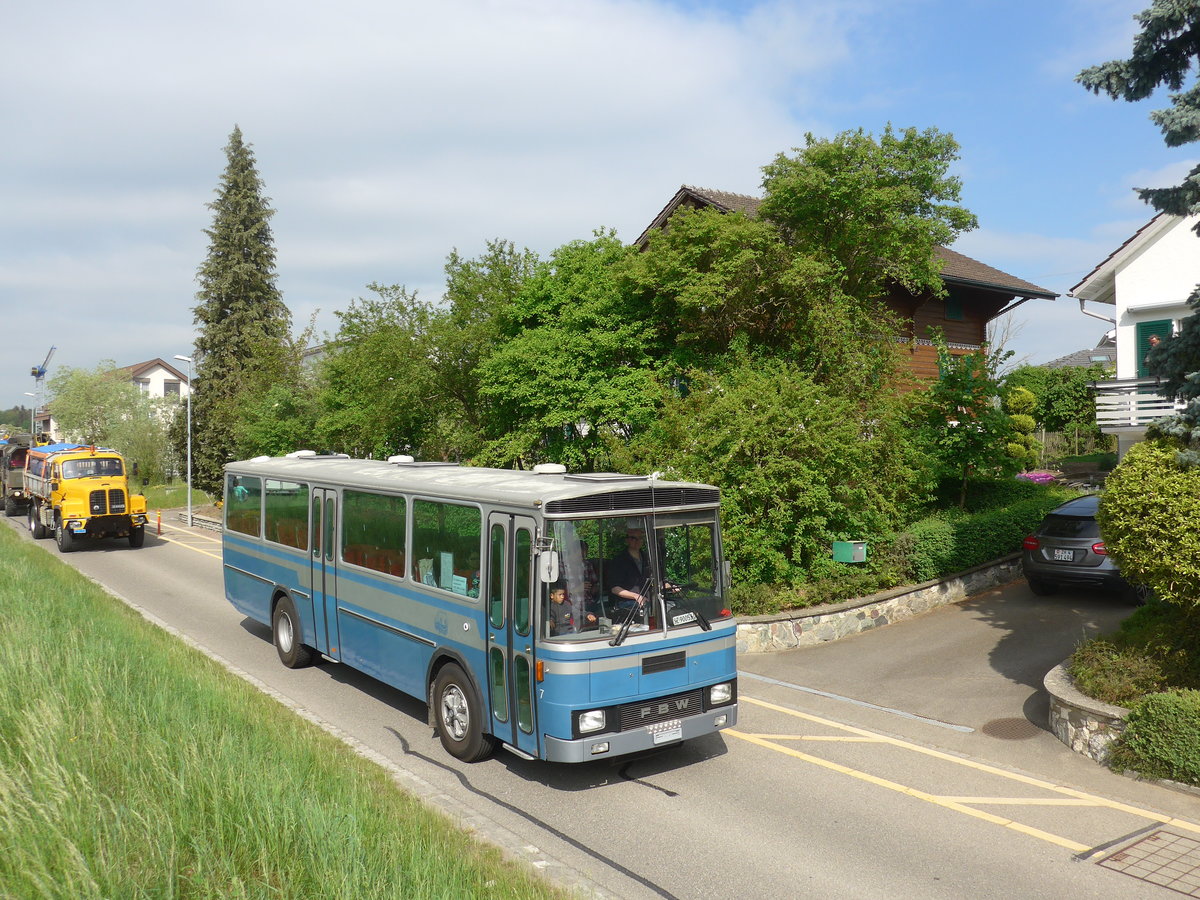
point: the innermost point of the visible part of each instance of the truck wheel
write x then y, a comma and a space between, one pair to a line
137, 536
10, 507
66, 540
36, 528
458, 715
285, 632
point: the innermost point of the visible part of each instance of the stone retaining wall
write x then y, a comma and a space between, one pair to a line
815, 625
1085, 725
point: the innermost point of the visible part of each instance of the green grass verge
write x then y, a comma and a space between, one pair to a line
133, 766
172, 496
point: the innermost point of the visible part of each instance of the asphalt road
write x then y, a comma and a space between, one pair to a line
908, 762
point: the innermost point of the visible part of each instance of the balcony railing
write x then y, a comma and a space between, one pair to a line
1130, 404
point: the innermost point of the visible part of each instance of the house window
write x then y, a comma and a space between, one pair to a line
143, 384
1160, 328
170, 388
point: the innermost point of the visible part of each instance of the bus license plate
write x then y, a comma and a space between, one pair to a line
1064, 555
683, 618
671, 734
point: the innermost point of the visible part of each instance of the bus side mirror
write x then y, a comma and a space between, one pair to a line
548, 566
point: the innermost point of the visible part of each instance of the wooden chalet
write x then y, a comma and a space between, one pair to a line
976, 292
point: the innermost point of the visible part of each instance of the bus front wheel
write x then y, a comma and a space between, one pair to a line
458, 715
285, 631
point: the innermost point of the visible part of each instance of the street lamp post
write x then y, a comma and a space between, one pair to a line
32, 413
188, 360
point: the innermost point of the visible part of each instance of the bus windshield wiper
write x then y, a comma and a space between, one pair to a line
624, 631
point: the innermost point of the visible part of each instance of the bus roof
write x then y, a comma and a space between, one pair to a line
555, 493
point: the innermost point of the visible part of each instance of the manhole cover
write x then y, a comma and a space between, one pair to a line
1163, 858
1011, 729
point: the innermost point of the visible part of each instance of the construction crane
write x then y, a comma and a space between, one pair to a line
39, 372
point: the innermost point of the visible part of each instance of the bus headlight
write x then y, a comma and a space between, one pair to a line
720, 693
592, 720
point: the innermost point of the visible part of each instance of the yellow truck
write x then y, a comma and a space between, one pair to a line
76, 492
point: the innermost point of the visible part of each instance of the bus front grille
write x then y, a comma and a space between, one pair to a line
635, 715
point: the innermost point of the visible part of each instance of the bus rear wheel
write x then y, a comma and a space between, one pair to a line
285, 633
458, 715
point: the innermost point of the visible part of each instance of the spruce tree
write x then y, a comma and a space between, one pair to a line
1166, 53
244, 327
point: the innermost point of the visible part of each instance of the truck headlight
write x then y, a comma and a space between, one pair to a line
592, 720
720, 693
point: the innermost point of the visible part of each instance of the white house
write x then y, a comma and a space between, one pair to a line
1146, 282
157, 378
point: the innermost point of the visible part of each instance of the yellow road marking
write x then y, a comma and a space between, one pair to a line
832, 738
913, 792
1021, 801
1070, 796
168, 540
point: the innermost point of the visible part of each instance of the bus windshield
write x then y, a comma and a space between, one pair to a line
659, 572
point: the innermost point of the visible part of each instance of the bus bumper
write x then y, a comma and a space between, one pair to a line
660, 734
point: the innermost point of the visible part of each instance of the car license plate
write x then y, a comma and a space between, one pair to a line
668, 735
1064, 555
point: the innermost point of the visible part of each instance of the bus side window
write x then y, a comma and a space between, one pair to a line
496, 577
523, 581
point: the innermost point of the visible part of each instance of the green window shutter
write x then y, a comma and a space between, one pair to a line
1160, 327
954, 306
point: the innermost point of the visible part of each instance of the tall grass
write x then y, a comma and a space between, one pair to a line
171, 496
131, 766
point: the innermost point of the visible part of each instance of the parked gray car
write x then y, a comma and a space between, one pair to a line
1067, 551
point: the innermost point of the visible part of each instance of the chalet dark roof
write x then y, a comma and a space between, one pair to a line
957, 267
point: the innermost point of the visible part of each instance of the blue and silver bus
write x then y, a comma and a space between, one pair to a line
567, 617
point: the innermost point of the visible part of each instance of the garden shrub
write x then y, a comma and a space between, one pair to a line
984, 493
1162, 737
932, 550
1112, 674
1147, 516
1156, 648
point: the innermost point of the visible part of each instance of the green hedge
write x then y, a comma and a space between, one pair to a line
938, 545
1162, 737
950, 542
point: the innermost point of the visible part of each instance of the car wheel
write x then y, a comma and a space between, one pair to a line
1137, 594
1040, 586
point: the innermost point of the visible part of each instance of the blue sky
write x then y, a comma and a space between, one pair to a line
389, 132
